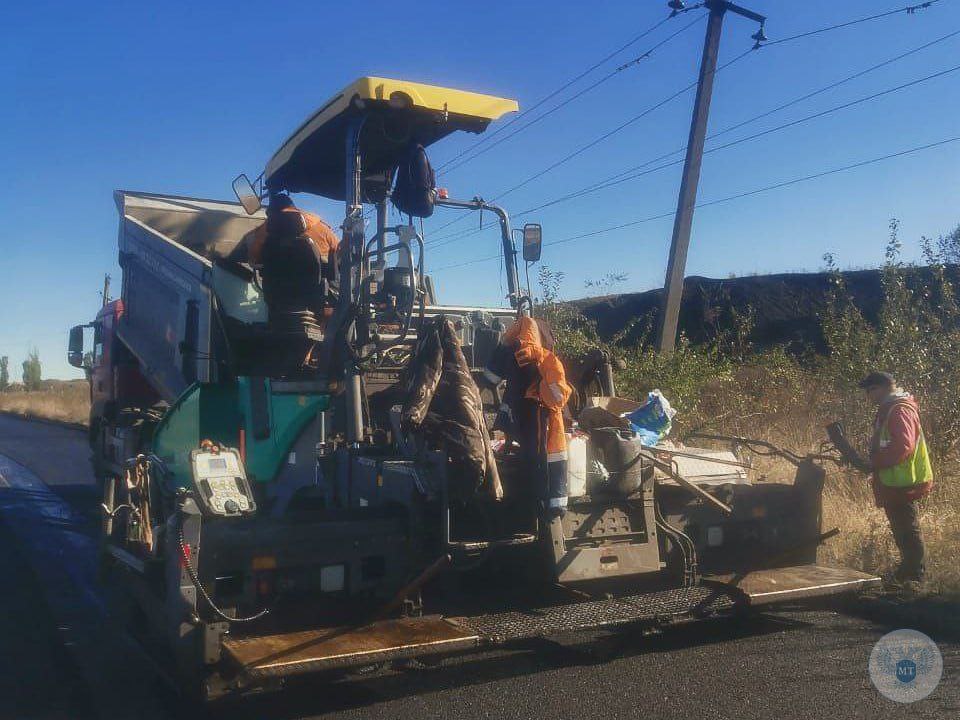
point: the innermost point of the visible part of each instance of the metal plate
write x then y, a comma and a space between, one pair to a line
313, 650
653, 607
705, 467
762, 587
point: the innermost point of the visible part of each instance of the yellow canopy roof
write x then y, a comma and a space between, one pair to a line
398, 113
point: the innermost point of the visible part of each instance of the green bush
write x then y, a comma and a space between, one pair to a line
728, 386
917, 339
32, 372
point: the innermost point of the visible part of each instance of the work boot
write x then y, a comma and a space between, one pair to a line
904, 575
911, 587
890, 582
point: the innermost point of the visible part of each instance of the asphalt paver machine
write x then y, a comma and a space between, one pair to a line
268, 513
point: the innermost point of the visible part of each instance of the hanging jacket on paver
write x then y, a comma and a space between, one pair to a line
444, 403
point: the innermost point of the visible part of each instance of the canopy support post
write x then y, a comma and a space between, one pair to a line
350, 254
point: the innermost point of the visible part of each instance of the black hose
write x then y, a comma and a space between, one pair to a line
691, 570
125, 506
227, 362
200, 589
674, 538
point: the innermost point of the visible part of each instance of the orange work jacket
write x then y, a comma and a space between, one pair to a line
324, 239
551, 390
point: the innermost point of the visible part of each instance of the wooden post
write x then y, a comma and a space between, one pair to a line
677, 264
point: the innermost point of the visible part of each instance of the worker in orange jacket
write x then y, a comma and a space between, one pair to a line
295, 252
536, 394
321, 236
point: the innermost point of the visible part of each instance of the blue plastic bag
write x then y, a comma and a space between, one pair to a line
652, 420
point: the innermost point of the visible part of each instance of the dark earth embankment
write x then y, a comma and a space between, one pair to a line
786, 309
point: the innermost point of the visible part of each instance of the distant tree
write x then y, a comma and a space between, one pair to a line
4, 373
32, 371
945, 250
606, 284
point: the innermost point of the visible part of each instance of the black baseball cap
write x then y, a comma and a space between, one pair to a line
877, 379
280, 201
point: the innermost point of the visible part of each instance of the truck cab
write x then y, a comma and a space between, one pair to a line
116, 382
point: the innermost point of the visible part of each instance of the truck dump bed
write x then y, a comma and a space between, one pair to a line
181, 260
169, 247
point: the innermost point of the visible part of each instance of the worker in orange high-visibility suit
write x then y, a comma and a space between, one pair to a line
295, 253
284, 218
532, 414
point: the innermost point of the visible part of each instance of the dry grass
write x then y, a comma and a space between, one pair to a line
791, 411
865, 541
64, 401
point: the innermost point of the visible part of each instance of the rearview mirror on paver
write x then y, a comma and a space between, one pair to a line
532, 237
248, 197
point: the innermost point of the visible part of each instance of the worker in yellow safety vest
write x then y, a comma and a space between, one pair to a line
902, 473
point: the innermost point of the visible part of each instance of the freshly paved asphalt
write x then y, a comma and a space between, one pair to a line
792, 663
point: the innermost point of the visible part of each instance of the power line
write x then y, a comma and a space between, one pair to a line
909, 10
748, 138
625, 66
833, 171
563, 103
838, 83
611, 133
832, 86
620, 178
838, 108
592, 143
730, 198
569, 83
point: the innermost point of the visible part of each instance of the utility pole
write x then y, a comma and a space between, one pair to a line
105, 296
680, 243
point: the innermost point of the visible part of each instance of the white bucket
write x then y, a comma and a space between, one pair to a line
576, 466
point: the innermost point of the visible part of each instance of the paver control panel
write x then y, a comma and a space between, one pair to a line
221, 483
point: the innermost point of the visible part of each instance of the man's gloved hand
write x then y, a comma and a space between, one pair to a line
849, 454
504, 421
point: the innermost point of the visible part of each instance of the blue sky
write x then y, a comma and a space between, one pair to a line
179, 97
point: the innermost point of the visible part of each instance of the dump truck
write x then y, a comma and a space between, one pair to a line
269, 509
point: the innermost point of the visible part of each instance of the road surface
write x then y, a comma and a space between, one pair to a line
64, 658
